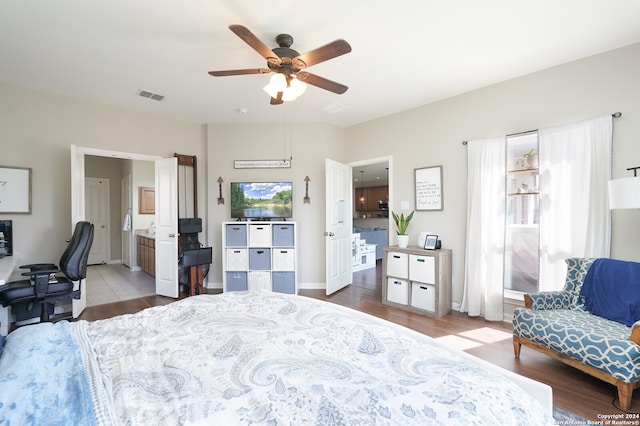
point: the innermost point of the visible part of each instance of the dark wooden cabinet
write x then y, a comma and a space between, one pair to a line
366, 199
147, 254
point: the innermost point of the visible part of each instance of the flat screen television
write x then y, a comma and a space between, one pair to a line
261, 200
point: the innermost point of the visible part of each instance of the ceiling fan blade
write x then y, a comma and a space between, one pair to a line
322, 82
324, 53
240, 72
253, 41
278, 100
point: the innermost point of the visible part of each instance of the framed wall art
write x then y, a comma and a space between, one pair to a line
429, 188
15, 189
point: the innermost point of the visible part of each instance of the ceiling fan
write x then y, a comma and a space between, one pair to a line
289, 65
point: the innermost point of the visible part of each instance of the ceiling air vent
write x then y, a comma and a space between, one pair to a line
335, 108
150, 95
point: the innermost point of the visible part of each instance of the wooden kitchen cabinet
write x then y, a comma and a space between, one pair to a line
367, 198
146, 248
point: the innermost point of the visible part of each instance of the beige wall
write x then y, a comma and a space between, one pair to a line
432, 135
309, 145
143, 173
37, 130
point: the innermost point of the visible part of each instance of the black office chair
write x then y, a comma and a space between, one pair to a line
193, 259
37, 296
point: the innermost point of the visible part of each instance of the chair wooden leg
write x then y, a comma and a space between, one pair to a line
625, 392
192, 280
516, 346
195, 280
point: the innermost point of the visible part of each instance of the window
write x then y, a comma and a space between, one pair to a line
522, 233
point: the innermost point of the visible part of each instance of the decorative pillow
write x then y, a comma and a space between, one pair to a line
577, 268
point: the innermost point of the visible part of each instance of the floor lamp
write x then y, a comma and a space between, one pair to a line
624, 193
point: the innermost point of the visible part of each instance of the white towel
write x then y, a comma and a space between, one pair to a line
126, 225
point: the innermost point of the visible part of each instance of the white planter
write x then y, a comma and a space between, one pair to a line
403, 241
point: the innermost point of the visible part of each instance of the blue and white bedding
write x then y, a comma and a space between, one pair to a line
250, 358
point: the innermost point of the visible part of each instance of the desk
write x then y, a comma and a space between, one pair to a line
7, 266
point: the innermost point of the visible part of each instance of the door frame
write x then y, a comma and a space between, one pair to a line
389, 160
78, 154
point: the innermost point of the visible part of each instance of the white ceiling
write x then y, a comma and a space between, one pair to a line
406, 53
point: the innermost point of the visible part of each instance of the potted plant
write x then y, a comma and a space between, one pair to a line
402, 223
529, 160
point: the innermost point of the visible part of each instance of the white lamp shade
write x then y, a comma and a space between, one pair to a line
624, 193
278, 83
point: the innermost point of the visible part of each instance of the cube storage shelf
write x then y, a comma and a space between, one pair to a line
259, 255
417, 280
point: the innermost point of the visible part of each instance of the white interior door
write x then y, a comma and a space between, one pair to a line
339, 226
167, 227
97, 212
127, 226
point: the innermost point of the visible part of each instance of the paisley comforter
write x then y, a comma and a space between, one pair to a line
250, 358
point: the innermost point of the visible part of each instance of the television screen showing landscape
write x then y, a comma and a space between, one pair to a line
261, 199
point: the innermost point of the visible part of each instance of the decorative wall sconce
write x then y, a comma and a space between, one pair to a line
220, 198
306, 200
624, 193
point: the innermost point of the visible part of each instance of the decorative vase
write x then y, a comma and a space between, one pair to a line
403, 241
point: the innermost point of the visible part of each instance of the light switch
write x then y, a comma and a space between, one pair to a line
404, 205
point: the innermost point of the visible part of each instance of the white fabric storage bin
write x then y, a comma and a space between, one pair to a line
423, 296
236, 235
260, 235
283, 259
237, 259
397, 265
422, 268
259, 280
398, 291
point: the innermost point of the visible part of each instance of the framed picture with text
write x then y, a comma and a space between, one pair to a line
429, 188
15, 189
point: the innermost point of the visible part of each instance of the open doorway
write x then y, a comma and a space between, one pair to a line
117, 275
78, 160
371, 222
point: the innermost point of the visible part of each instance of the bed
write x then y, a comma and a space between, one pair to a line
253, 358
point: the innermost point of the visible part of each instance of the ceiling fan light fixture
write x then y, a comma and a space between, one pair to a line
296, 86
287, 63
278, 83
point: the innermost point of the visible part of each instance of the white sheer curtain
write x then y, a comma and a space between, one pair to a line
484, 257
575, 166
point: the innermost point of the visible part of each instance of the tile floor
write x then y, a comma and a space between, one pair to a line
113, 283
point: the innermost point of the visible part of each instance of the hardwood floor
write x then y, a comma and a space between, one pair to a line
573, 390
